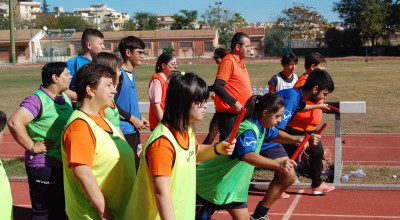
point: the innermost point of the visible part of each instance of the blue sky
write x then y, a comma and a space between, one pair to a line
251, 10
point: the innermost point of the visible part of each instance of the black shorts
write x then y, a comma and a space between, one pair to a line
205, 209
274, 152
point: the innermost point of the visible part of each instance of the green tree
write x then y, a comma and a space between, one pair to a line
129, 25
238, 20
70, 21
303, 21
185, 21
369, 16
211, 16
4, 23
45, 7
273, 42
145, 21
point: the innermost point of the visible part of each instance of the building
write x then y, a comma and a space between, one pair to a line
257, 36
27, 10
103, 17
165, 22
27, 45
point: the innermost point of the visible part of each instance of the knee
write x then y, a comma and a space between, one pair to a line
316, 151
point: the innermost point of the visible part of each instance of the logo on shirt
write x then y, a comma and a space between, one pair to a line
249, 142
286, 115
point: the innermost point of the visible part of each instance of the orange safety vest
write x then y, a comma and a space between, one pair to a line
152, 115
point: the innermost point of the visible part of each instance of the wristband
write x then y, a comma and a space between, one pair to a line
215, 149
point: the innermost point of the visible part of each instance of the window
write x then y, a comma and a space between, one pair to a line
3, 49
21, 51
147, 45
208, 46
186, 44
163, 45
107, 46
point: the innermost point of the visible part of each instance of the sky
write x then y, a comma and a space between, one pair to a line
251, 10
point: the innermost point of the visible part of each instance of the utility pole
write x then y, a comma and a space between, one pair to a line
12, 30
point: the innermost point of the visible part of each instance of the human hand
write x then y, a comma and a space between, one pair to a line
286, 165
323, 107
225, 148
238, 106
314, 139
41, 147
146, 123
137, 123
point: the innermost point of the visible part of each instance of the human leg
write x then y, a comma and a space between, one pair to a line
315, 164
47, 192
204, 209
134, 141
212, 131
226, 121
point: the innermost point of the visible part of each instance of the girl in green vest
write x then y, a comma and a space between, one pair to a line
165, 187
223, 182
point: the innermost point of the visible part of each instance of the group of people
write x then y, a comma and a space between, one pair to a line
81, 132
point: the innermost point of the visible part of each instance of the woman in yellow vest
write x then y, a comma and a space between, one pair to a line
6, 203
165, 187
99, 171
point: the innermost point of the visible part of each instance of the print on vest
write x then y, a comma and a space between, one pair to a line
191, 153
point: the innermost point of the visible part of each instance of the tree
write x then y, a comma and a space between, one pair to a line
273, 42
185, 21
45, 7
211, 17
4, 23
129, 25
145, 21
70, 21
303, 21
369, 16
238, 20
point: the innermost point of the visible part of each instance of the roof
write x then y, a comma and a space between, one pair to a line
251, 31
158, 34
20, 35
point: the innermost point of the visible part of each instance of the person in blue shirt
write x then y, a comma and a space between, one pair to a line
223, 182
92, 44
132, 53
317, 87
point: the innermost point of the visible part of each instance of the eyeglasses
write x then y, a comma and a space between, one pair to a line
172, 65
200, 104
140, 52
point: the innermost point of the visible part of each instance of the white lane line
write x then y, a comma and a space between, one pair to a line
292, 206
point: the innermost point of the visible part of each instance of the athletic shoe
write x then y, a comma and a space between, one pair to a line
261, 218
323, 188
284, 195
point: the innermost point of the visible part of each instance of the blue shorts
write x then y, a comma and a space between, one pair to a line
274, 152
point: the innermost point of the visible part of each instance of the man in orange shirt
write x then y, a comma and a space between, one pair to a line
306, 122
232, 84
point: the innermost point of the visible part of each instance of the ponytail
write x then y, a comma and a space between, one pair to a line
256, 104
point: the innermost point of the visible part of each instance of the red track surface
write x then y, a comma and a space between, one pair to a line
366, 149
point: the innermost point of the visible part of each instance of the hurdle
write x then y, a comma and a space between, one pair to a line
346, 107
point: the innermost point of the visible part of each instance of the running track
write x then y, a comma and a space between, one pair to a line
341, 204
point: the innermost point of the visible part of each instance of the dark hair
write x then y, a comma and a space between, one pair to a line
256, 104
107, 59
131, 43
288, 58
220, 53
90, 75
3, 120
90, 33
164, 58
320, 78
238, 38
183, 90
49, 69
313, 58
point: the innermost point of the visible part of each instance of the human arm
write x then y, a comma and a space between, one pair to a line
206, 152
322, 106
163, 196
17, 126
257, 160
158, 110
86, 179
272, 84
155, 97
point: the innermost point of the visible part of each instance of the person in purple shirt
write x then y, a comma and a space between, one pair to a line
37, 126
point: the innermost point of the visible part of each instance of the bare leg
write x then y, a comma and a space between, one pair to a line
239, 214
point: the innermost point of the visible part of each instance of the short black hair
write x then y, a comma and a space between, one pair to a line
288, 58
3, 120
238, 38
131, 43
183, 90
90, 32
320, 78
49, 69
313, 58
90, 75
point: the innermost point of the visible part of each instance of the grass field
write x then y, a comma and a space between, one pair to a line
375, 82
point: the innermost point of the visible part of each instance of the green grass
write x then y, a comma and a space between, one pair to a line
375, 82
14, 167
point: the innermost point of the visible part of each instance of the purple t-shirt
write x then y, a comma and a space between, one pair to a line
33, 105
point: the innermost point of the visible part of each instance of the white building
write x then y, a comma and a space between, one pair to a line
27, 10
103, 17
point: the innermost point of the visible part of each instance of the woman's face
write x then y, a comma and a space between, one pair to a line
197, 111
104, 92
289, 68
64, 79
271, 120
169, 67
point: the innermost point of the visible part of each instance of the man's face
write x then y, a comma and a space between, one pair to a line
243, 50
317, 96
95, 45
135, 56
320, 66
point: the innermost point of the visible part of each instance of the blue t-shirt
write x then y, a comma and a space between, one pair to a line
247, 141
73, 65
293, 104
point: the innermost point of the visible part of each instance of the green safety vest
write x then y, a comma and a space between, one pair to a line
224, 180
112, 115
113, 167
51, 123
183, 180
